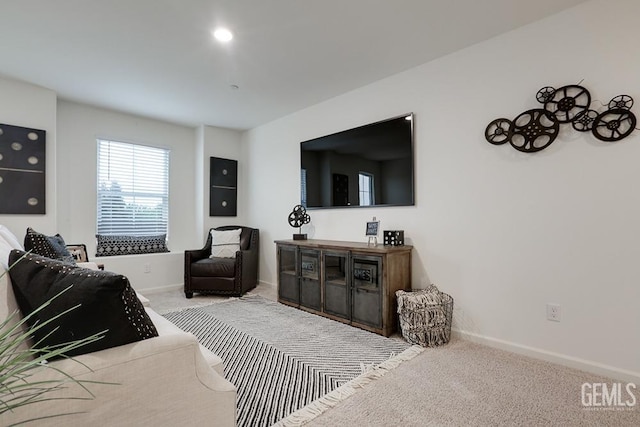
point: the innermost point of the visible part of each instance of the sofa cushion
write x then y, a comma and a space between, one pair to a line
9, 237
105, 300
5, 250
214, 267
48, 246
225, 243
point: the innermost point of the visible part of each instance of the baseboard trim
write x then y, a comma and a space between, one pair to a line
145, 291
561, 359
272, 285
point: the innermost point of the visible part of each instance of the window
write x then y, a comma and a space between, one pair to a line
365, 189
133, 193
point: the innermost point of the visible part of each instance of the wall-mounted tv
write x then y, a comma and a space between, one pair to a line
371, 165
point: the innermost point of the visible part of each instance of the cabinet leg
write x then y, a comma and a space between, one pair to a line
188, 294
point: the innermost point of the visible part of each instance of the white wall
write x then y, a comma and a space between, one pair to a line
26, 105
503, 232
71, 176
78, 128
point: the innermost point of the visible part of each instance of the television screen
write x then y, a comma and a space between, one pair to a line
370, 165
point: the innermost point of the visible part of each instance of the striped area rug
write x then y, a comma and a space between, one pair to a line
279, 358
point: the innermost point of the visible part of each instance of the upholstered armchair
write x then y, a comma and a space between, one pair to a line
232, 275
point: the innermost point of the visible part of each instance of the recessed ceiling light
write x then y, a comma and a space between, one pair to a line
223, 35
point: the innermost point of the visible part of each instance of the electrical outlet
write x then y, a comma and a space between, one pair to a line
553, 312
147, 268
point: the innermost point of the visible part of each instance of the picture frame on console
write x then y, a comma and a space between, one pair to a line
371, 232
78, 252
372, 228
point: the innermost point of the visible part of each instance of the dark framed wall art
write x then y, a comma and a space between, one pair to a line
223, 187
22, 170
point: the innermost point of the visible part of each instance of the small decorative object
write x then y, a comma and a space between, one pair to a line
617, 122
78, 252
568, 103
297, 218
613, 125
393, 237
545, 94
622, 102
584, 123
372, 231
536, 129
22, 170
499, 131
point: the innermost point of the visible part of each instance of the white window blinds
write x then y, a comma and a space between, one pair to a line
133, 189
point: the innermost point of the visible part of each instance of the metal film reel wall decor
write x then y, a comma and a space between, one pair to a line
536, 129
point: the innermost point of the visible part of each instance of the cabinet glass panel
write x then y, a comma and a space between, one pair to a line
288, 288
366, 295
366, 273
309, 264
336, 284
310, 293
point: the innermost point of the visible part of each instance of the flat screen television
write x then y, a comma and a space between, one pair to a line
371, 165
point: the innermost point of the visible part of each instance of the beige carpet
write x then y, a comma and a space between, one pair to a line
466, 384
459, 384
174, 299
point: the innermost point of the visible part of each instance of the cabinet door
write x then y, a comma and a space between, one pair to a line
310, 295
337, 282
288, 284
366, 284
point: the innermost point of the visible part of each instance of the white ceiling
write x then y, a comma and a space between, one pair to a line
156, 58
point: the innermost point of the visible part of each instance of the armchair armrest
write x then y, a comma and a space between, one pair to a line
191, 256
247, 263
198, 254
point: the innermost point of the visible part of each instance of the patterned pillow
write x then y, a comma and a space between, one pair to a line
105, 302
48, 246
109, 245
225, 243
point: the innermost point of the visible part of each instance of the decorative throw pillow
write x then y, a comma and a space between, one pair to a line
106, 303
48, 246
225, 243
109, 245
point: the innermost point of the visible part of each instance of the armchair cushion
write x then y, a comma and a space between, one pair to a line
106, 303
225, 243
214, 267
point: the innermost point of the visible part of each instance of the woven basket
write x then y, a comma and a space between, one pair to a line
425, 316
